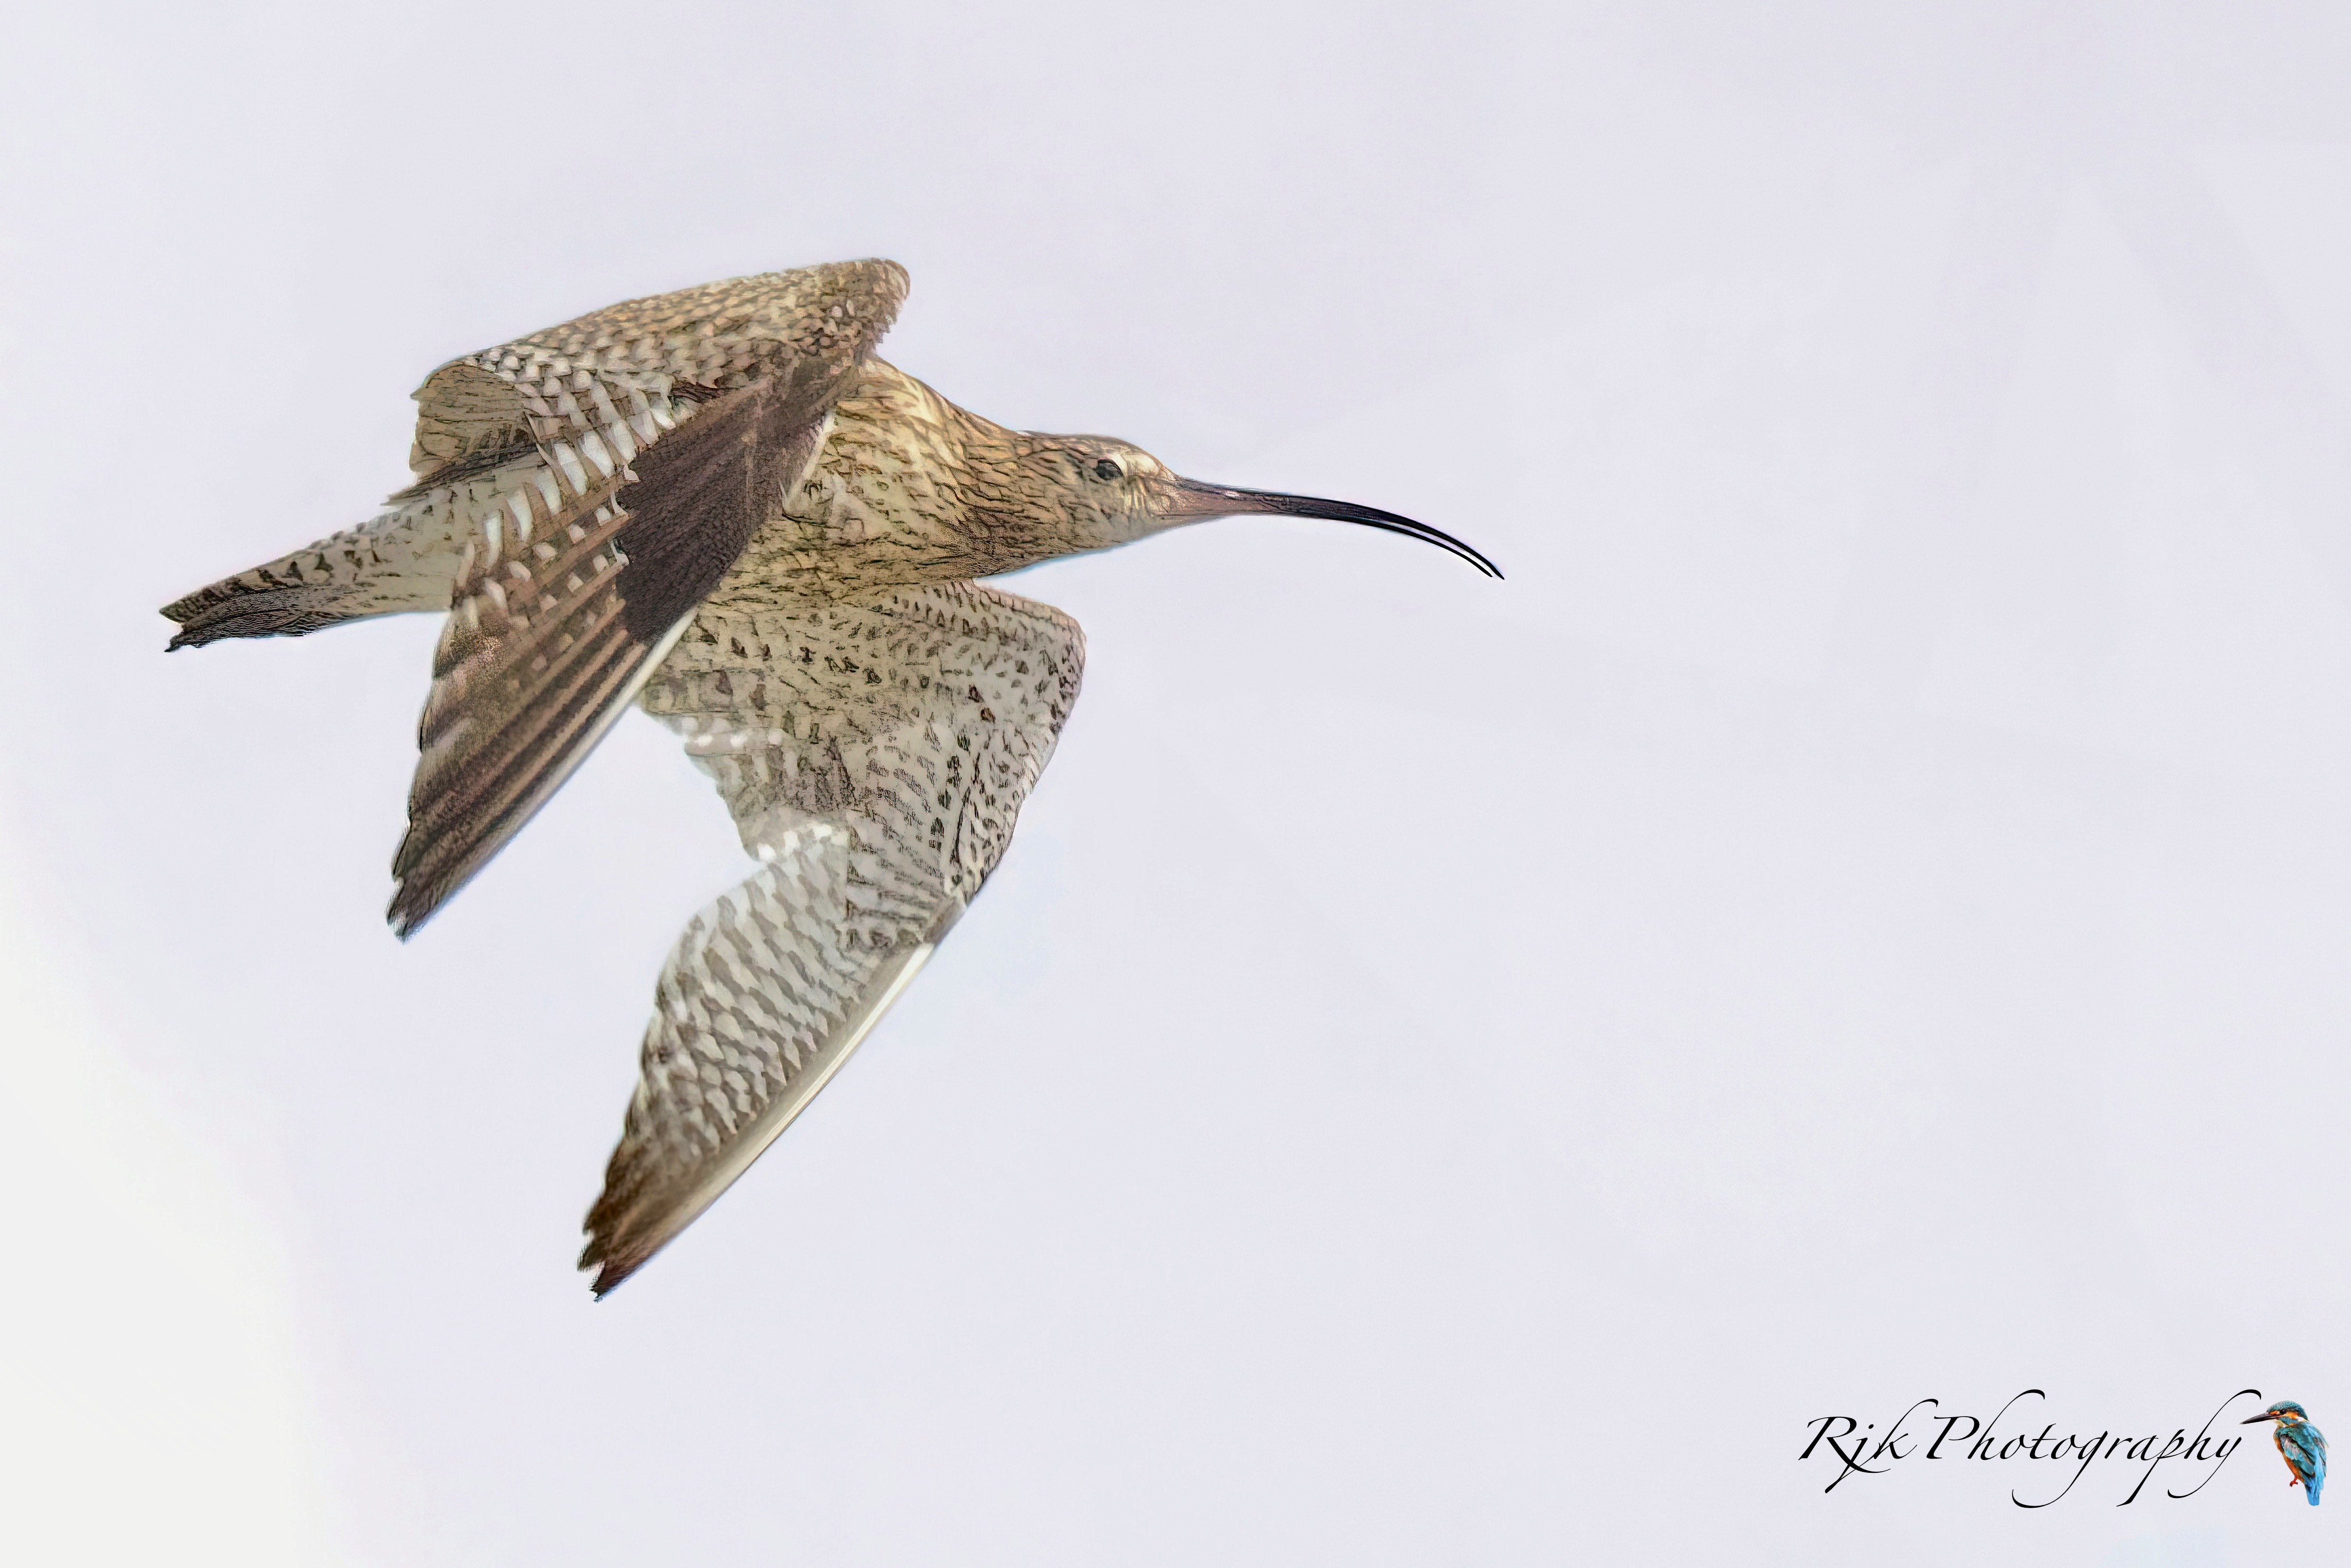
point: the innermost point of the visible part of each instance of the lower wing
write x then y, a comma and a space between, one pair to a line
874, 756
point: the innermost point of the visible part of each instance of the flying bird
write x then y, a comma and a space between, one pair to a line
2299, 1443
718, 504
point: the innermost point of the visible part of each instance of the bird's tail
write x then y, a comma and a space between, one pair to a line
404, 559
2310, 1487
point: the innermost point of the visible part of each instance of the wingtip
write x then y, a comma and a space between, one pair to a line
418, 892
610, 1271
404, 915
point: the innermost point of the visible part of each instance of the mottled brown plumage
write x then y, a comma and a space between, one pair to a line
718, 504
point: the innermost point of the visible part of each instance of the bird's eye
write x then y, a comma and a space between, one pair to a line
1108, 470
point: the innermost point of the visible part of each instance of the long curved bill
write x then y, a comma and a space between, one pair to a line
1195, 501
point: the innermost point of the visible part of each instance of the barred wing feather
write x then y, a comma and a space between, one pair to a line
874, 754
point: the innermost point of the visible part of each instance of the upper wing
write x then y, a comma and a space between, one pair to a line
630, 455
874, 756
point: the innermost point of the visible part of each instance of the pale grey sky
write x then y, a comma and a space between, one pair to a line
1448, 1071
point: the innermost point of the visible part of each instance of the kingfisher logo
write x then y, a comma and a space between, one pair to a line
2301, 1445
2109, 1462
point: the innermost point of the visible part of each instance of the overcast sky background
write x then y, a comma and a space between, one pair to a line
1449, 1071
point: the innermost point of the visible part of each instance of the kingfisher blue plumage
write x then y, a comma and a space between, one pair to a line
2302, 1444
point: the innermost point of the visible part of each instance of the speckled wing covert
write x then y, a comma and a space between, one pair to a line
874, 754
606, 474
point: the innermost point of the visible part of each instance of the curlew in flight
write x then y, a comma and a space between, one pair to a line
716, 504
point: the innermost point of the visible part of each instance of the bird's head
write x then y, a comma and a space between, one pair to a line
2285, 1412
1113, 492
